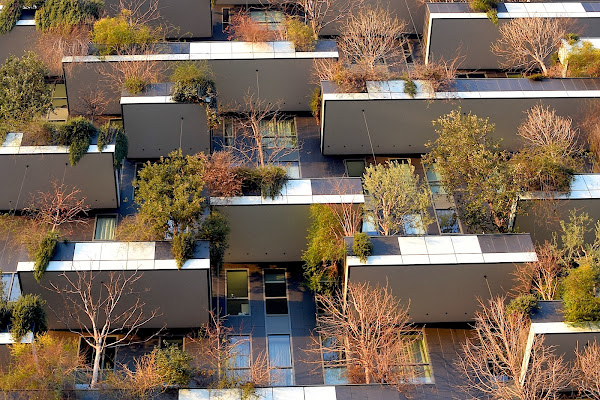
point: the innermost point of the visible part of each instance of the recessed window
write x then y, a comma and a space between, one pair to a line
334, 370
272, 20
225, 15
107, 358
105, 227
434, 178
413, 225
355, 168
240, 357
11, 289
276, 292
279, 133
237, 292
418, 358
280, 360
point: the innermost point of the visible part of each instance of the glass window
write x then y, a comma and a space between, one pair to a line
279, 133
355, 168
419, 360
275, 292
172, 341
448, 221
6, 284
237, 292
228, 132
271, 19
240, 351
105, 227
434, 179
280, 360
107, 359
413, 225
15, 291
335, 376
11, 289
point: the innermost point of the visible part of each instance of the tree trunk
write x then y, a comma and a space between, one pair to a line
544, 69
96, 369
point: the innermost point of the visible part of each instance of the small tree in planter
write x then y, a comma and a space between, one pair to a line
193, 85
244, 29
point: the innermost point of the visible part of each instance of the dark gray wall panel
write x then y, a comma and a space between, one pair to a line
154, 130
19, 40
404, 126
439, 293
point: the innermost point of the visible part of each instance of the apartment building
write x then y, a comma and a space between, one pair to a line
440, 272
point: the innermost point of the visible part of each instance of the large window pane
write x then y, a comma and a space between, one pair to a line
275, 292
335, 376
105, 227
237, 292
448, 221
240, 351
279, 351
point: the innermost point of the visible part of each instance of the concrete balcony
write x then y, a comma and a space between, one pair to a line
454, 29
274, 230
275, 69
441, 277
32, 169
400, 124
161, 284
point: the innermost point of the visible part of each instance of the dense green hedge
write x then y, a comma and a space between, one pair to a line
269, 180
76, 133
65, 14
182, 248
44, 254
579, 298
362, 246
28, 315
9, 15
109, 134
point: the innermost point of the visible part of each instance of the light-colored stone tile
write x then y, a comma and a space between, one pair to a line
439, 244
466, 244
134, 265
469, 258
114, 251
141, 251
413, 259
412, 245
442, 259
87, 251
194, 394
298, 187
319, 392
288, 393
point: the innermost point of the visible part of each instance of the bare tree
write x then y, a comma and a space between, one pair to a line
257, 138
587, 371
243, 28
372, 37
220, 175
543, 128
497, 362
97, 305
439, 74
93, 103
526, 43
321, 13
125, 71
541, 277
591, 128
215, 354
59, 206
370, 331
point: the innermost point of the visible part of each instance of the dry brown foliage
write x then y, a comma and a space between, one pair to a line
348, 79
143, 70
144, 381
591, 128
220, 175
53, 45
438, 75
587, 371
97, 305
372, 37
542, 276
491, 360
59, 206
214, 355
526, 44
244, 29
371, 332
544, 128
93, 103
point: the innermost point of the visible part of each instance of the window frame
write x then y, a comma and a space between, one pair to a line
364, 160
116, 216
241, 298
287, 300
290, 368
266, 139
248, 338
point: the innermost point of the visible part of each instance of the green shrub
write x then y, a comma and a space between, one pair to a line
492, 15
584, 61
542, 170
524, 303
193, 85
483, 5
44, 254
215, 229
76, 133
182, 248
134, 84
410, 87
108, 134
273, 178
572, 38
121, 148
300, 34
316, 102
269, 180
578, 292
536, 77
324, 250
115, 34
28, 315
174, 364
65, 14
9, 15
5, 314
362, 246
